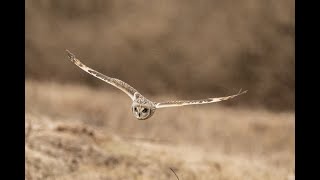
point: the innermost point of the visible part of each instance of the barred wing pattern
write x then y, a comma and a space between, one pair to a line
192, 102
115, 82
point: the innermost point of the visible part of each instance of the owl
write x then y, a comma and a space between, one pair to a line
142, 108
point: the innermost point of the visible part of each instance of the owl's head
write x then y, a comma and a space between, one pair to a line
142, 108
142, 111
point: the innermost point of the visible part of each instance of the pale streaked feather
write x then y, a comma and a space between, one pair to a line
193, 102
141, 106
113, 81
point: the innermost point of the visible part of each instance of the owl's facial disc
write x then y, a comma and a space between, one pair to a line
141, 112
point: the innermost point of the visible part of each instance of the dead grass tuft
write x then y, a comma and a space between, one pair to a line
74, 133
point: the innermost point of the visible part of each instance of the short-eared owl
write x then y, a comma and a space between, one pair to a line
143, 108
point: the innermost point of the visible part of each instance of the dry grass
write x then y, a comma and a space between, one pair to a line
191, 48
76, 132
168, 49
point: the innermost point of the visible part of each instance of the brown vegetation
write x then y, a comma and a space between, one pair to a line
76, 132
78, 127
193, 49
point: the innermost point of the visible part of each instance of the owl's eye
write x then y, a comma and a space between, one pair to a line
145, 110
135, 109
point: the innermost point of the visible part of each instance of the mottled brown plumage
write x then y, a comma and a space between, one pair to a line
142, 107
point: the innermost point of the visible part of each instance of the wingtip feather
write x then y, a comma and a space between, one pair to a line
70, 55
243, 92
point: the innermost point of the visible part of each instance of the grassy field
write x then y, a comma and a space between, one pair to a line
179, 46
77, 127
78, 132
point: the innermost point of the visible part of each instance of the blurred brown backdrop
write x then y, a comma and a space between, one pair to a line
192, 49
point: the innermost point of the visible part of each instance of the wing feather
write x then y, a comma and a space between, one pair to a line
192, 102
113, 81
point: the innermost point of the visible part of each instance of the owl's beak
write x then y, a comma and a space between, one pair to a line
139, 114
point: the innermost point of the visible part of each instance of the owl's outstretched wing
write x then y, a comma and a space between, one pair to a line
192, 102
115, 82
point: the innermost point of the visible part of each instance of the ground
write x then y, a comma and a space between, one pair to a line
77, 132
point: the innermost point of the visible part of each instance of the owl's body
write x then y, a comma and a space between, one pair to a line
141, 107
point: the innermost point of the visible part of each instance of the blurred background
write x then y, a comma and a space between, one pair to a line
191, 49
78, 127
